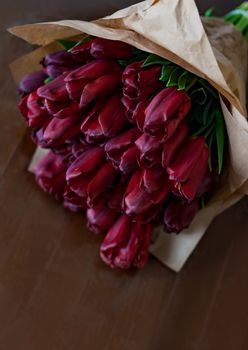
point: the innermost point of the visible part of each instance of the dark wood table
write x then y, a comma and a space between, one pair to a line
55, 294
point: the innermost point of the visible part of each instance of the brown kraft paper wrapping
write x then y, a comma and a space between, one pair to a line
208, 47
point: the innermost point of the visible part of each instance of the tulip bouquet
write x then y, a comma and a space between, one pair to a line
134, 139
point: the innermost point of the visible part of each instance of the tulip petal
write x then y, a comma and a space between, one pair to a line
172, 146
101, 48
55, 90
87, 162
112, 117
179, 215
128, 161
100, 182
104, 85
31, 82
182, 166
93, 70
100, 218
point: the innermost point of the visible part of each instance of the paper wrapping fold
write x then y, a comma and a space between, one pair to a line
208, 47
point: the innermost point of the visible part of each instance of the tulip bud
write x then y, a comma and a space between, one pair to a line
89, 176
101, 48
31, 82
58, 62
58, 131
150, 151
55, 90
122, 151
99, 184
139, 82
165, 112
32, 109
87, 162
137, 116
189, 167
172, 146
178, 215
72, 201
61, 109
105, 120
50, 174
100, 218
102, 86
145, 193
126, 244
79, 78
81, 52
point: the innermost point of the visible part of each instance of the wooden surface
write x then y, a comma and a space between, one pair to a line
55, 294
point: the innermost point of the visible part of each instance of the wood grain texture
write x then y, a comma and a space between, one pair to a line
55, 294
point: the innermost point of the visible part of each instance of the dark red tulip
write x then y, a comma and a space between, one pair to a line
178, 215
189, 167
62, 109
165, 112
102, 86
31, 82
93, 70
86, 83
126, 244
150, 151
145, 193
137, 116
55, 90
58, 62
105, 48
139, 82
100, 218
32, 108
50, 174
58, 131
72, 201
130, 106
81, 52
173, 145
187, 159
89, 176
87, 162
105, 120
122, 151
100, 183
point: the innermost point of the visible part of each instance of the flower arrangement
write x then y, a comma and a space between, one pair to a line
134, 139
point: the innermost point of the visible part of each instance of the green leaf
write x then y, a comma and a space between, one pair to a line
82, 41
184, 79
210, 131
67, 44
166, 72
220, 136
48, 79
173, 79
207, 86
210, 144
209, 12
205, 127
199, 96
154, 59
207, 112
239, 18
